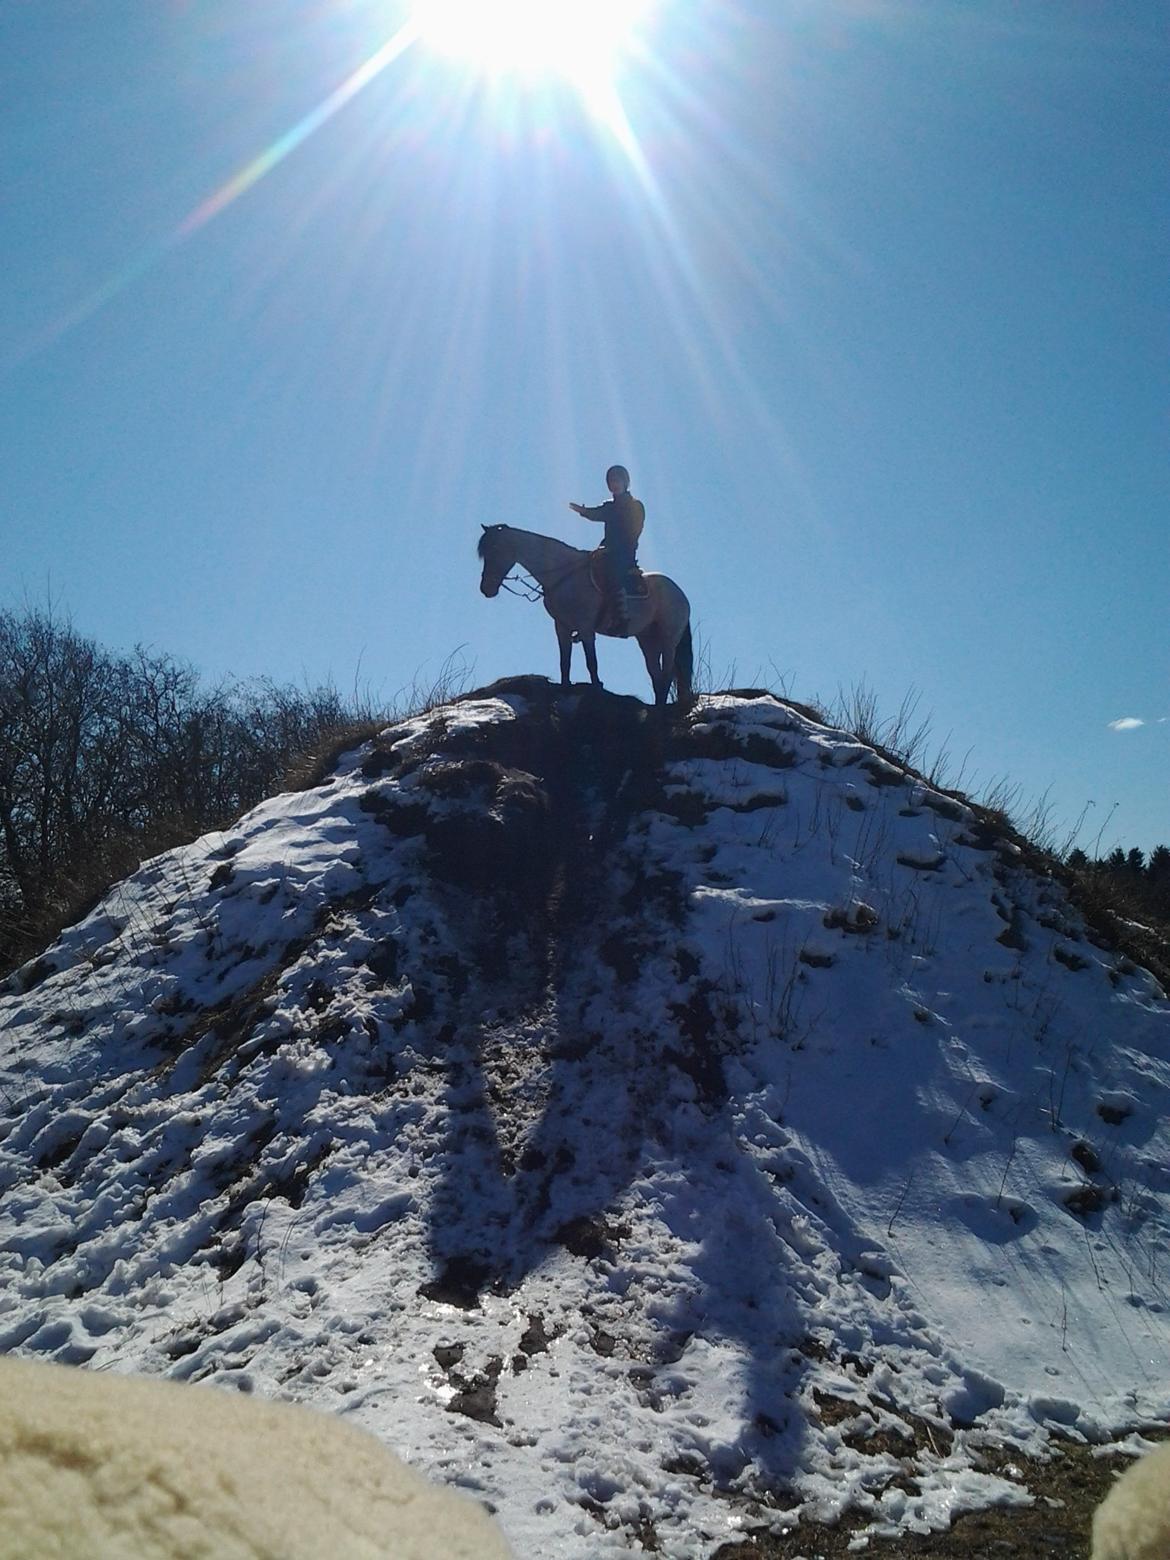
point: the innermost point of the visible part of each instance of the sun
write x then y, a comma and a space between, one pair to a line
579, 41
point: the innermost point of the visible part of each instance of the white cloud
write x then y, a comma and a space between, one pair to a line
1126, 723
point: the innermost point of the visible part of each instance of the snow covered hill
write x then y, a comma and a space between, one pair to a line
662, 1130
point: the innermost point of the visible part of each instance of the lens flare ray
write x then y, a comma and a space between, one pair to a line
275, 154
216, 203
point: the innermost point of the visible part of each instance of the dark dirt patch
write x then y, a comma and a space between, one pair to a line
1013, 936
403, 819
662, 892
626, 954
381, 761
504, 846
1070, 960
535, 1340
461, 779
56, 1155
1086, 1156
882, 774
448, 1355
591, 1236
383, 961
477, 1394
720, 740
697, 1055
1075, 1480
461, 1282
761, 800
858, 919
945, 807
685, 807
35, 974
1113, 1115
1088, 1200
981, 835
917, 865
602, 1343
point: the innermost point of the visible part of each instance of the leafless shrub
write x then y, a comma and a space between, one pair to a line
901, 736
107, 759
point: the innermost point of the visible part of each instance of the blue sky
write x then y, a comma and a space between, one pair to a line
872, 303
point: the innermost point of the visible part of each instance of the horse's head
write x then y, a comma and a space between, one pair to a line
497, 558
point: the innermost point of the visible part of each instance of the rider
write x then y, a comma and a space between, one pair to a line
623, 518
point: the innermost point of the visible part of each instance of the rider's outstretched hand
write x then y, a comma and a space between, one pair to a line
578, 509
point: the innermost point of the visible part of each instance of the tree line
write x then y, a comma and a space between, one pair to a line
107, 758
1139, 881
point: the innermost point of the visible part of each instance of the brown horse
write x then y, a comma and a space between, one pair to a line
660, 621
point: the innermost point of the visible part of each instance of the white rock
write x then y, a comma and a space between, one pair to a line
129, 1468
1133, 1521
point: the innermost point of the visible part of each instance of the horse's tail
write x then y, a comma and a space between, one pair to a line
684, 666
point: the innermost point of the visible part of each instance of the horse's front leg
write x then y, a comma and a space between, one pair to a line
589, 645
565, 641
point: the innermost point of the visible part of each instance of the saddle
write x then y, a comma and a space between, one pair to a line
634, 587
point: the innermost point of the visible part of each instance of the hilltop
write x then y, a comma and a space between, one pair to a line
665, 1129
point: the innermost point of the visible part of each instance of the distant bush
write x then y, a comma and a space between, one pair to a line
1128, 898
1141, 886
107, 758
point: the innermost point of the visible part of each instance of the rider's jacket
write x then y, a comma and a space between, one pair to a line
623, 518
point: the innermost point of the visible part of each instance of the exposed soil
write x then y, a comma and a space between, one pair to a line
1057, 1526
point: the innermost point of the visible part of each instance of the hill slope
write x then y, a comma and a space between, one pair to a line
660, 1130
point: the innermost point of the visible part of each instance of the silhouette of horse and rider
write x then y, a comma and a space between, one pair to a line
587, 593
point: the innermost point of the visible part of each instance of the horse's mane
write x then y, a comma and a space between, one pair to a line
490, 531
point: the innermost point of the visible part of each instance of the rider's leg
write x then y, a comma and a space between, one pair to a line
618, 564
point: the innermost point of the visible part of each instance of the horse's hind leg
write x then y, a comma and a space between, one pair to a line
565, 641
651, 648
662, 683
589, 645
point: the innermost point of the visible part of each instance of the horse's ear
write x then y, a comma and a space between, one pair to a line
483, 527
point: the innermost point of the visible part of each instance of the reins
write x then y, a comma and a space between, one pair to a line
530, 590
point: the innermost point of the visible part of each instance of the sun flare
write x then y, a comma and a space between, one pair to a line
580, 41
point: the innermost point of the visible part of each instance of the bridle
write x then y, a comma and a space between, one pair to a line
517, 585
532, 589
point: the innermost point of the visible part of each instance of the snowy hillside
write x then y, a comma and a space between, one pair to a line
661, 1130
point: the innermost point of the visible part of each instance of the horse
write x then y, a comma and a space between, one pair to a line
659, 621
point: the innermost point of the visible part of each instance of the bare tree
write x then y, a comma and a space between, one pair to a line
105, 757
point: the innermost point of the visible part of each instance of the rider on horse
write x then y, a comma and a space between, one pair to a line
623, 518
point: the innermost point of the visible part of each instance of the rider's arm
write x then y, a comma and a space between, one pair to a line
602, 512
